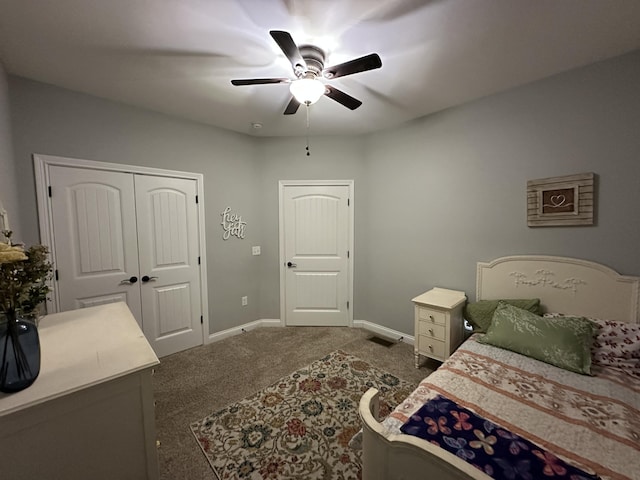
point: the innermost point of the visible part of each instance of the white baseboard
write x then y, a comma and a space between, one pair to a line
276, 322
384, 331
265, 322
272, 322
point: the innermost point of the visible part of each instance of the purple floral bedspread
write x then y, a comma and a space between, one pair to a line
487, 446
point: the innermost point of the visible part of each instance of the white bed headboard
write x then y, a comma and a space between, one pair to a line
565, 285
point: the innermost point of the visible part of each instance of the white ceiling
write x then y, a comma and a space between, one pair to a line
178, 56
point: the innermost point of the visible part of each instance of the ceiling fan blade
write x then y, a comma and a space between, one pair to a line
362, 64
341, 97
290, 49
259, 81
292, 107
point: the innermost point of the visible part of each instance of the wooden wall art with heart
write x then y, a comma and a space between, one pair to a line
561, 201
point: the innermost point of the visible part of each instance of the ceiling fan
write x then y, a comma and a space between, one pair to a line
308, 67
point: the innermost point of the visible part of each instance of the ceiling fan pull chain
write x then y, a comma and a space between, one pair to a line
308, 152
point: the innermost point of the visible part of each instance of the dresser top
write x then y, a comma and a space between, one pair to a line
82, 348
441, 297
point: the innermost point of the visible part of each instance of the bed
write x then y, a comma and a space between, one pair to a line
588, 421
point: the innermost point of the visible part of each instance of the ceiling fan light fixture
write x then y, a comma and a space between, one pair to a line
307, 90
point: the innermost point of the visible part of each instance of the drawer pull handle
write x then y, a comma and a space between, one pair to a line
431, 347
431, 318
431, 331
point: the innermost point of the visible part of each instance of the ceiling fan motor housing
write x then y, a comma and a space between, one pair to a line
314, 57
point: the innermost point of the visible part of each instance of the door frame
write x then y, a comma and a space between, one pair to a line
41, 164
282, 184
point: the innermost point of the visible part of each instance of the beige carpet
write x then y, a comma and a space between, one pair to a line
191, 384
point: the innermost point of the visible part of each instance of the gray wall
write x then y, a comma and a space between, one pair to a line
449, 190
8, 190
433, 197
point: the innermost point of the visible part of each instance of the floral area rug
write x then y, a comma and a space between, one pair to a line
299, 427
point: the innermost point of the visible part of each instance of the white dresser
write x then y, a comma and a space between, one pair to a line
439, 327
90, 412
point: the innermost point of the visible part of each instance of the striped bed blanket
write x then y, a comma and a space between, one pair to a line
590, 422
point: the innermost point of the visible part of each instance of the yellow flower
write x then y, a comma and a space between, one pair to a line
10, 254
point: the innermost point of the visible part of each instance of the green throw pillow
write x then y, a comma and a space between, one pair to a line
479, 314
563, 342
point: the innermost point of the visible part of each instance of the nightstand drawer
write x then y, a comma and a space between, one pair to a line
431, 346
433, 330
432, 316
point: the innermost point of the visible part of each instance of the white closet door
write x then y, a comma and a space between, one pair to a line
168, 254
94, 218
133, 238
316, 226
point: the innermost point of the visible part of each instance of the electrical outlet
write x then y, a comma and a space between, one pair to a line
255, 250
245, 301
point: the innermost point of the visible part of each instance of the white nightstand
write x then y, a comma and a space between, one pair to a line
439, 328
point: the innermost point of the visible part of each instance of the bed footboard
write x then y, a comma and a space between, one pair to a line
388, 456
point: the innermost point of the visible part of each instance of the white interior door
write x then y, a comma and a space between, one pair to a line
94, 219
134, 238
316, 254
169, 270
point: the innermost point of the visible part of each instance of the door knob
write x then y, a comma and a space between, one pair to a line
291, 265
146, 278
129, 281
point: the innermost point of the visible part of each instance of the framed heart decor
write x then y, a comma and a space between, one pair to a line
561, 201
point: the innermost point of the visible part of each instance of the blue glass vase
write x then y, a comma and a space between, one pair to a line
19, 352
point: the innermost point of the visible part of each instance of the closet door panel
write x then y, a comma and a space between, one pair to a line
95, 233
168, 253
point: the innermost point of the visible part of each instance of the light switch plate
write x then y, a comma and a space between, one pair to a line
255, 250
